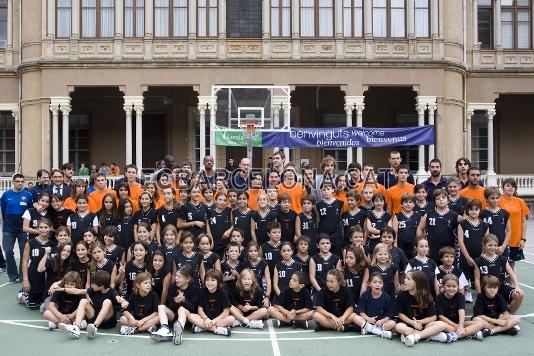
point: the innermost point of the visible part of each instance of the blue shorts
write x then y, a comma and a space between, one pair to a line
506, 291
516, 254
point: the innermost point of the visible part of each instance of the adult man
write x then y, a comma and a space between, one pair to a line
369, 180
388, 178
436, 180
279, 159
101, 189
13, 204
308, 180
58, 186
474, 190
43, 181
130, 176
230, 166
68, 172
462, 166
208, 175
294, 189
241, 177
256, 188
395, 193
273, 180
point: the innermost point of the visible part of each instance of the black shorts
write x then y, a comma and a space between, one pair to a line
106, 324
34, 300
516, 254
506, 291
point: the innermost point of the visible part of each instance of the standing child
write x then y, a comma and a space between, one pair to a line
286, 217
382, 263
306, 223
209, 259
213, 312
335, 306
447, 256
498, 220
417, 312
242, 218
219, 223
80, 263
293, 306
138, 264
492, 310
188, 257
489, 263
168, 213
108, 212
366, 201
302, 255
79, 221
161, 275
147, 214
356, 241
32, 216
354, 271
249, 306
262, 217
99, 262
271, 249
375, 309
192, 215
231, 267
59, 214
376, 220
142, 311
456, 202
322, 263
260, 268
124, 223
422, 206
451, 310
97, 307
422, 263
330, 210
181, 302
113, 252
62, 306
170, 247
354, 217
33, 281
471, 231
405, 225
285, 268
388, 237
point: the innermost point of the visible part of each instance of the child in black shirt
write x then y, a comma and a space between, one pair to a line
142, 311
62, 306
249, 305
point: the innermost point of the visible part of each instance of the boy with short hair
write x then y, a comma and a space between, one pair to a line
447, 255
286, 217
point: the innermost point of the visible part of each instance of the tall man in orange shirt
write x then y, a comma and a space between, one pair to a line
395, 193
254, 191
474, 190
294, 189
130, 175
101, 189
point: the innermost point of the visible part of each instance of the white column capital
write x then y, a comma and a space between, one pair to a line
203, 103
54, 108
490, 113
60, 100
421, 108
432, 108
139, 108
472, 107
128, 108
65, 109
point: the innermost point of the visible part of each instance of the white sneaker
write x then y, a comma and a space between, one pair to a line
468, 296
386, 334
91, 331
478, 336
222, 331
198, 329
178, 333
71, 330
163, 334
52, 325
409, 340
441, 337
127, 330
83, 325
517, 327
236, 324
255, 324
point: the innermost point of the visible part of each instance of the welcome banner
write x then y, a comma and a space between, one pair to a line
334, 137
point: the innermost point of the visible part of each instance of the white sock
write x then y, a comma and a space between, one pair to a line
377, 331
417, 337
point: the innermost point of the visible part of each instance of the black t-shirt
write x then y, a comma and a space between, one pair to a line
99, 297
473, 235
261, 224
65, 303
125, 230
349, 220
219, 222
289, 299
497, 222
115, 255
323, 265
449, 307
353, 281
194, 260
287, 222
131, 271
388, 275
258, 268
407, 228
81, 268
243, 222
441, 231
407, 305
271, 254
244, 298
190, 294
150, 216
378, 308
59, 218
458, 205
329, 218
308, 227
335, 302
158, 277
285, 271
496, 267
140, 307
490, 307
213, 304
189, 213
37, 251
167, 217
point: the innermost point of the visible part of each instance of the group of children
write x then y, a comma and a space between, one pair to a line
212, 262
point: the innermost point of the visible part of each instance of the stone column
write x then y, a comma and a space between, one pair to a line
432, 107
474, 11
497, 35
470, 113
266, 18
410, 18
359, 105
54, 108
149, 29
368, 18
203, 102
65, 111
222, 18
75, 13
213, 123
8, 59
490, 114
286, 107
295, 28
434, 9
349, 108
138, 107
421, 108
16, 116
276, 104
128, 146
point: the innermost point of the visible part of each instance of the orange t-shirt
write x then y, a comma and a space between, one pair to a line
97, 197
394, 195
476, 193
135, 204
377, 188
517, 208
343, 197
70, 203
253, 198
115, 171
295, 192
135, 191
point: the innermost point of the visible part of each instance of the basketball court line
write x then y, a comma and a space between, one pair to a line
272, 337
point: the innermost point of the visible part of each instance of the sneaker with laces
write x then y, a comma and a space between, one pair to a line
386, 334
226, 331
236, 324
452, 337
441, 337
178, 333
367, 328
409, 340
280, 324
517, 327
486, 332
152, 329
477, 336
52, 325
83, 325
127, 330
197, 329
468, 296
255, 324
163, 334
71, 330
301, 324
91, 330
512, 332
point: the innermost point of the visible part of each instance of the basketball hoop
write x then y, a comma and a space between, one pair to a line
250, 126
